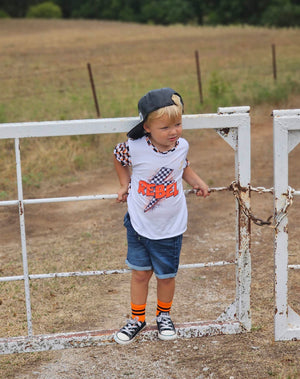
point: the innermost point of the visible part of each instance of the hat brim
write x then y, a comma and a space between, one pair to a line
137, 132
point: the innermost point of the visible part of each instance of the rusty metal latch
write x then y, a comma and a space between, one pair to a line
288, 202
236, 189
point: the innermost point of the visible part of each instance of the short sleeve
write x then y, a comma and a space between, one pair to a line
121, 152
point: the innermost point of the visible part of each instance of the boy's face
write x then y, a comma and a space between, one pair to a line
164, 132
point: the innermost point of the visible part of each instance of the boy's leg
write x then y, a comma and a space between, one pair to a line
165, 294
139, 286
139, 292
165, 289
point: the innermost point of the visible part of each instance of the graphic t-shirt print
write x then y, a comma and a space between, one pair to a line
160, 186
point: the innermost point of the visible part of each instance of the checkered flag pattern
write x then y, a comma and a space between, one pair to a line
159, 178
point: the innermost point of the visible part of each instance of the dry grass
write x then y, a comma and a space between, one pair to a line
44, 77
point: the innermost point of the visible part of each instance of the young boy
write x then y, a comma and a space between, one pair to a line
157, 212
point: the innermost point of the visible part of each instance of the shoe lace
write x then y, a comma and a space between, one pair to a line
165, 320
131, 326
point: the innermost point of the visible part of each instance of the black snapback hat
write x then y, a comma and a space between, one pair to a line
153, 100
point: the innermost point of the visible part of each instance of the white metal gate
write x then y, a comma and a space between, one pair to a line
286, 138
233, 125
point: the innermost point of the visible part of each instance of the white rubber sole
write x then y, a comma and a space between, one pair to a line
165, 337
124, 342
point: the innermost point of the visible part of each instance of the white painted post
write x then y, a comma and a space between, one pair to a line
23, 236
286, 126
243, 173
243, 224
281, 235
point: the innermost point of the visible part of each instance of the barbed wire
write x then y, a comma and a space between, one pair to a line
246, 72
99, 62
60, 90
263, 69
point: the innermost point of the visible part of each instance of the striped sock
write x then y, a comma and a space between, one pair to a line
138, 311
163, 307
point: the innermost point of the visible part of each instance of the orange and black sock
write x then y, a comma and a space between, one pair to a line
138, 311
163, 307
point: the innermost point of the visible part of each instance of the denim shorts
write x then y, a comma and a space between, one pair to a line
144, 254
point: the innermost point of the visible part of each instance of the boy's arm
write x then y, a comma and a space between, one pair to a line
195, 181
124, 179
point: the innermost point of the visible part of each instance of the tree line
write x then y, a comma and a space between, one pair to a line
279, 13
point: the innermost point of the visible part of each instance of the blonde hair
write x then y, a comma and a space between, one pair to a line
173, 111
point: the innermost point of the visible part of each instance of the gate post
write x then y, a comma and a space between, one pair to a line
281, 236
243, 224
23, 236
286, 129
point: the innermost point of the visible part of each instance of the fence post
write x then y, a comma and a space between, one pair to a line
93, 89
274, 61
199, 76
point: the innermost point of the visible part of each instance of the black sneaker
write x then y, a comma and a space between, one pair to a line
166, 329
127, 334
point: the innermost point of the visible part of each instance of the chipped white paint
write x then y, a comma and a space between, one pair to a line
234, 110
243, 223
105, 272
105, 337
83, 198
233, 125
23, 236
294, 267
111, 125
286, 125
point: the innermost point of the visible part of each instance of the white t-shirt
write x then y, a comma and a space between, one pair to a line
156, 201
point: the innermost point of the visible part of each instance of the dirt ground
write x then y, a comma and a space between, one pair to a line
78, 235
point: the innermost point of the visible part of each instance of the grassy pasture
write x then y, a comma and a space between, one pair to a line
44, 76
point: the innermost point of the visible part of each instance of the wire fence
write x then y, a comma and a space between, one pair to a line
63, 80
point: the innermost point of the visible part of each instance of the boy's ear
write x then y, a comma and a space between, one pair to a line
146, 127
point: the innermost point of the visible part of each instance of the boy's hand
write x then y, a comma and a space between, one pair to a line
202, 190
122, 194
124, 178
195, 181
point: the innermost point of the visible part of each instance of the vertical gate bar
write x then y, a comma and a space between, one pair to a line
281, 233
243, 256
23, 236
